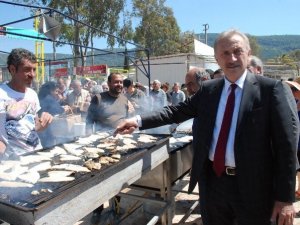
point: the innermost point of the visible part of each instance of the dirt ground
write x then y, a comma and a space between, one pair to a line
186, 209
182, 214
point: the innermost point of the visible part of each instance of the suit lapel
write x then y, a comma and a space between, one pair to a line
215, 95
215, 92
250, 92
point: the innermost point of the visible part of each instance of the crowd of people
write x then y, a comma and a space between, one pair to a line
246, 126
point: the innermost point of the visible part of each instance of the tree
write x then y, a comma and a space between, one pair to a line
100, 14
290, 60
295, 55
126, 33
186, 41
158, 30
254, 45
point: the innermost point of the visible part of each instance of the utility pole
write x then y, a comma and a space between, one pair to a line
206, 27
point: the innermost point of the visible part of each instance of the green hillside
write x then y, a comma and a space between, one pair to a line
112, 60
271, 47
276, 45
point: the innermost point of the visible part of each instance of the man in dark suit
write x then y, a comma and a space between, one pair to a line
256, 184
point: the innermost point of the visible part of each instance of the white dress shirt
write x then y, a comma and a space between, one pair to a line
229, 156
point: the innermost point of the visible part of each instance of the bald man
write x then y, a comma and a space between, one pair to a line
193, 79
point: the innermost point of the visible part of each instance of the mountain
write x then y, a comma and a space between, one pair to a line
105, 57
111, 59
277, 45
271, 47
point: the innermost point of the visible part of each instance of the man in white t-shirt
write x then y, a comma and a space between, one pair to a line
19, 106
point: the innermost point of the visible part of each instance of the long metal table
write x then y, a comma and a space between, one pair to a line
79, 200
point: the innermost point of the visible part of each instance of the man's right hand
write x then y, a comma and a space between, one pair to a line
127, 126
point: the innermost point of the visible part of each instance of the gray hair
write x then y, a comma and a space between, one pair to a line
157, 81
77, 82
202, 75
97, 89
255, 61
230, 33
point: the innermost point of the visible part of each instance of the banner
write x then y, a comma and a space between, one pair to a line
60, 72
88, 70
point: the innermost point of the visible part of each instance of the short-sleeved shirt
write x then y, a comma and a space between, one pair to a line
17, 120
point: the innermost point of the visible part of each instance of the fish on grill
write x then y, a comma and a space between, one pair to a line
128, 141
58, 151
73, 149
56, 179
71, 167
116, 156
13, 173
127, 147
28, 159
145, 138
40, 167
15, 184
31, 177
91, 155
98, 151
8, 164
109, 159
88, 140
108, 145
92, 165
69, 158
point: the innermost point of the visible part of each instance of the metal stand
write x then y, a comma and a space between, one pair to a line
161, 197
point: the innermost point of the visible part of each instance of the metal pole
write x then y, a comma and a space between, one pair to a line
206, 27
149, 76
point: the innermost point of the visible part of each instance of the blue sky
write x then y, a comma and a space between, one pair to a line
256, 17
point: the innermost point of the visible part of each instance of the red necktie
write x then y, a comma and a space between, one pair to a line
219, 158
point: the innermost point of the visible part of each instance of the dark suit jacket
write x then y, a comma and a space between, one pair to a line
265, 141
